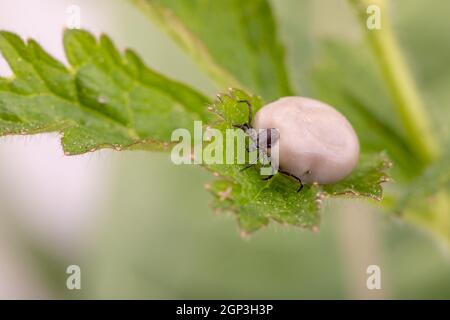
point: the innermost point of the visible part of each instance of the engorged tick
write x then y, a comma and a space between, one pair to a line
317, 144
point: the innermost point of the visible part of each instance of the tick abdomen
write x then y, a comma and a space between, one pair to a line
316, 143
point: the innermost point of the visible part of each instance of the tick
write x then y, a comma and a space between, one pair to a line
317, 144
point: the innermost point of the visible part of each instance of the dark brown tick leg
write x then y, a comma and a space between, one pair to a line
251, 164
292, 176
250, 110
268, 177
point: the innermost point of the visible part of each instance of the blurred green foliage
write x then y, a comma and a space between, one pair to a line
236, 41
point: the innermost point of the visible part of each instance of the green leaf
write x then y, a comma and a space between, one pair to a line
366, 180
256, 202
235, 41
104, 99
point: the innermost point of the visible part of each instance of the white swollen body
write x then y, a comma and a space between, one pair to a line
316, 143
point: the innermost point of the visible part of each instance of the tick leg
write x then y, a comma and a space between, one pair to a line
243, 127
268, 177
263, 159
250, 109
252, 146
251, 164
247, 166
271, 167
292, 176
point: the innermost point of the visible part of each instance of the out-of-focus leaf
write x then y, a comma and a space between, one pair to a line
104, 99
235, 41
419, 26
427, 200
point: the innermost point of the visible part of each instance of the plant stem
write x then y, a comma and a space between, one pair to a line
400, 82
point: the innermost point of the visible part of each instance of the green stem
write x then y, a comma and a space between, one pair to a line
407, 101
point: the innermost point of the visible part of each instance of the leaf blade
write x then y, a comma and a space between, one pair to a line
247, 53
104, 99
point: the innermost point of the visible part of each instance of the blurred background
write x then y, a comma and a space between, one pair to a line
140, 227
